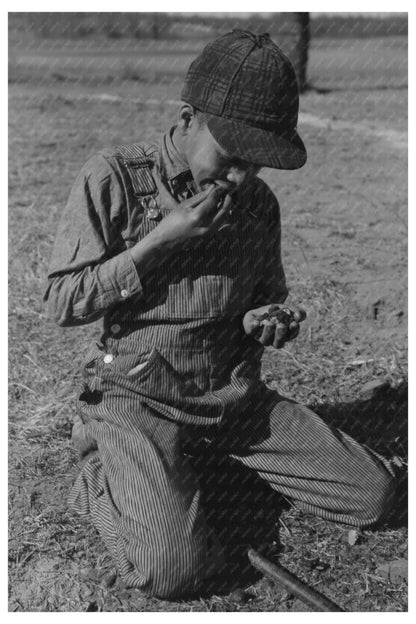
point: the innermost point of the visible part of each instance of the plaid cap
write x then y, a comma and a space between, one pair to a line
248, 90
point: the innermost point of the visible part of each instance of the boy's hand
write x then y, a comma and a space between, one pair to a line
187, 221
273, 324
196, 217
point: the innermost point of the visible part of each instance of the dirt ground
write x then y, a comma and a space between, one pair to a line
345, 253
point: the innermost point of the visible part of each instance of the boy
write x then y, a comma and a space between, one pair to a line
177, 247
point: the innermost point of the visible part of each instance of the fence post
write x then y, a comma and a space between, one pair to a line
302, 48
155, 26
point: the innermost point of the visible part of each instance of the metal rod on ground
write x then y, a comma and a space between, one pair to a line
314, 599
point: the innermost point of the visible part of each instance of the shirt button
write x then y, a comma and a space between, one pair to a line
108, 358
115, 328
124, 293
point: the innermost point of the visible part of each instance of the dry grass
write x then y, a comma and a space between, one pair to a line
345, 255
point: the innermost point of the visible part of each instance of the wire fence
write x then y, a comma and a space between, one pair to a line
118, 48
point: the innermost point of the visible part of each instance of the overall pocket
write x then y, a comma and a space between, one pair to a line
155, 381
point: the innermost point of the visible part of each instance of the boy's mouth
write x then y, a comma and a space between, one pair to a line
226, 186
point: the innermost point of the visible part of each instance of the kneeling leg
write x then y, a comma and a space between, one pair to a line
143, 496
322, 469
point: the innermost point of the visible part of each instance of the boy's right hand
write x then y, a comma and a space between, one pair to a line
197, 217
194, 218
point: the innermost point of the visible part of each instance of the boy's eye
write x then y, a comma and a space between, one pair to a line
226, 162
234, 162
240, 164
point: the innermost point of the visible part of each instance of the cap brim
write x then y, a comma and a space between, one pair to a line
256, 145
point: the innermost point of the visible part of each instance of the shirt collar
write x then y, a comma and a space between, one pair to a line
173, 163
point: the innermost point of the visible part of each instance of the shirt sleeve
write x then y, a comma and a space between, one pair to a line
89, 269
271, 286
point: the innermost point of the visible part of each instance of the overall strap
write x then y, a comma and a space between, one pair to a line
138, 162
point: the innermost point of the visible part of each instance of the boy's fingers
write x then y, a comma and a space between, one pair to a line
169, 199
293, 330
299, 315
267, 334
203, 201
270, 332
284, 333
280, 335
253, 327
209, 204
257, 330
221, 218
227, 204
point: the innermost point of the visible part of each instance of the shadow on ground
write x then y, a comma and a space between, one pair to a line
379, 421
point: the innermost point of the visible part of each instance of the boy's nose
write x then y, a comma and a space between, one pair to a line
236, 176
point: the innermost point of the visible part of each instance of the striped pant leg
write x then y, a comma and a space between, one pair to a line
321, 468
143, 497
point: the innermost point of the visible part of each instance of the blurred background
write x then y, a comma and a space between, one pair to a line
109, 49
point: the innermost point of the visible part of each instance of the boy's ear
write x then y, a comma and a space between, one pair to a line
186, 115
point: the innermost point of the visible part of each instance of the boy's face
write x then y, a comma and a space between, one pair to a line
209, 162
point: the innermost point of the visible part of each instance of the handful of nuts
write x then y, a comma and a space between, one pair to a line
276, 315
273, 324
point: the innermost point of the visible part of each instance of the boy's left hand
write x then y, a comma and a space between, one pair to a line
270, 331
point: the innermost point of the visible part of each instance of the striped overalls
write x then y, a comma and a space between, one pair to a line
174, 365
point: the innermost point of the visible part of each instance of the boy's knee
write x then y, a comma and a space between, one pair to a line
377, 499
174, 570
180, 565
